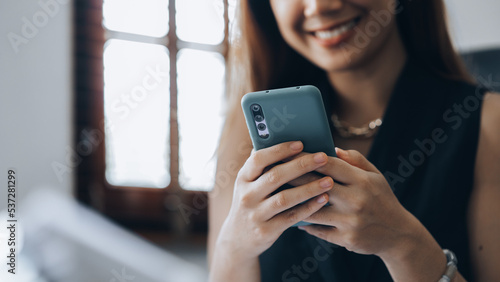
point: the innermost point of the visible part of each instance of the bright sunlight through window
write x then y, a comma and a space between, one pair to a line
146, 97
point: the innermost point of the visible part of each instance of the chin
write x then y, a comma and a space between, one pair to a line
339, 61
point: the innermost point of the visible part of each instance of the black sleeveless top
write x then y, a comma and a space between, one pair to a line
426, 149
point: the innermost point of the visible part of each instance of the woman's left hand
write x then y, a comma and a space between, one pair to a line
364, 216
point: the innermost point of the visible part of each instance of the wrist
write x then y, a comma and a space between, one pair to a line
415, 254
228, 267
226, 247
412, 236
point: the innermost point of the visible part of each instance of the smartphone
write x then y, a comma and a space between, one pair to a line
288, 114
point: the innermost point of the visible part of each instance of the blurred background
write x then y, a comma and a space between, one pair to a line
110, 114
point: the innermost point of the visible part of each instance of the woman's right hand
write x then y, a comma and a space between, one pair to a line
257, 218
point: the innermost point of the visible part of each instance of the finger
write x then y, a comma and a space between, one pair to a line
284, 220
259, 160
306, 178
356, 159
340, 170
327, 233
283, 173
329, 215
340, 195
289, 198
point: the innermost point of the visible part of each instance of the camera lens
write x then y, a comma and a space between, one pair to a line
255, 108
259, 118
261, 126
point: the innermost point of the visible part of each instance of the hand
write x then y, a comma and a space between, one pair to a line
257, 218
365, 216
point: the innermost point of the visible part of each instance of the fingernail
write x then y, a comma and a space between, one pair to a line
325, 183
300, 227
322, 199
319, 158
338, 150
297, 145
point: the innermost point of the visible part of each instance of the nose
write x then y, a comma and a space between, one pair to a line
315, 7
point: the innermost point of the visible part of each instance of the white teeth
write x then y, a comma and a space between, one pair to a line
327, 34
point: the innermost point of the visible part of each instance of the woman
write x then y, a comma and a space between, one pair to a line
425, 180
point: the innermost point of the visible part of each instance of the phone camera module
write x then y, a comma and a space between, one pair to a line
259, 120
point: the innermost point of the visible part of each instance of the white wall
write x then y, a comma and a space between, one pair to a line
36, 95
475, 24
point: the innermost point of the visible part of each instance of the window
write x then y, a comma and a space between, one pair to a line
150, 82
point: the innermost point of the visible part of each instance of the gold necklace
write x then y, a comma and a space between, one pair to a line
347, 131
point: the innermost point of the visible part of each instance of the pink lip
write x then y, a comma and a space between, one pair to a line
335, 42
331, 26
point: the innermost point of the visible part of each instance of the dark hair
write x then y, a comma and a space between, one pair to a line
423, 29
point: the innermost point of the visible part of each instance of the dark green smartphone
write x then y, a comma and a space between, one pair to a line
288, 114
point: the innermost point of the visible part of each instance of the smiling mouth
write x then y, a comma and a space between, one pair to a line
336, 31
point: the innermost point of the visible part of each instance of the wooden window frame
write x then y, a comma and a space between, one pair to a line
172, 208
